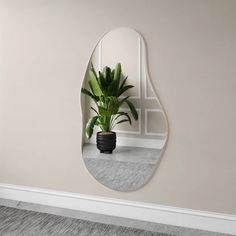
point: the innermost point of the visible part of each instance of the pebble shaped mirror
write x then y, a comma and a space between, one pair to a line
125, 128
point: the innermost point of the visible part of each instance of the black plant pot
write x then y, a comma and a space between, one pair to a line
106, 141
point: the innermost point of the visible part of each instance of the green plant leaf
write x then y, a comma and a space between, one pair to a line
85, 91
117, 73
132, 109
125, 88
107, 75
93, 71
102, 123
94, 110
102, 83
100, 79
112, 74
113, 89
94, 84
113, 105
122, 121
90, 126
102, 111
123, 100
117, 76
123, 114
91, 88
123, 82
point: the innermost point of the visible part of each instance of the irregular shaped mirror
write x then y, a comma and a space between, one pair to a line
124, 125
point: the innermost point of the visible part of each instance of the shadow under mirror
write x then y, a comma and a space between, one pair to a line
125, 127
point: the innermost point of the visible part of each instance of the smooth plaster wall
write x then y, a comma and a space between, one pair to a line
44, 50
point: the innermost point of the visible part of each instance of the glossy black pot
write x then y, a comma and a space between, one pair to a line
106, 141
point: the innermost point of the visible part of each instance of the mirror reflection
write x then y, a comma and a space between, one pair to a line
125, 127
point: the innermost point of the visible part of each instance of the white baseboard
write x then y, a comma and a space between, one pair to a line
210, 221
135, 142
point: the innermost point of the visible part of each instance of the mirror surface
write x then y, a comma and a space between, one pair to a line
139, 146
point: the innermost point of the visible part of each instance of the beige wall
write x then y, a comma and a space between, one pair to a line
44, 50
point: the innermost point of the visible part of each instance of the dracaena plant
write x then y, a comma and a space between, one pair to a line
105, 89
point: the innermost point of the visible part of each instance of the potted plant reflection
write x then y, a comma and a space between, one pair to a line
105, 89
